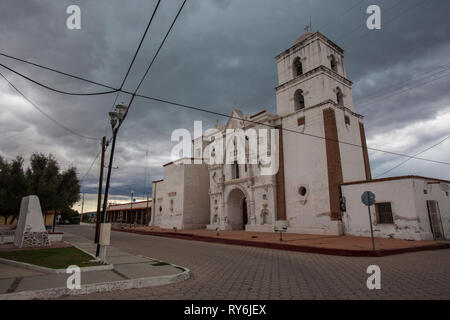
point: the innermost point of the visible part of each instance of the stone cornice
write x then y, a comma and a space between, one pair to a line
313, 72
307, 41
323, 103
264, 185
237, 181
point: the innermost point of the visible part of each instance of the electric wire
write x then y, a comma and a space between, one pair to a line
419, 153
45, 114
56, 90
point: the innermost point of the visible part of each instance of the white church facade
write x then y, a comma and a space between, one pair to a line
320, 150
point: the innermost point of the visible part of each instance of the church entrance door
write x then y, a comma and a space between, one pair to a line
237, 209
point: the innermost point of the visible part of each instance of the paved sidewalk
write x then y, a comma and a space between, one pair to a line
130, 271
323, 244
220, 271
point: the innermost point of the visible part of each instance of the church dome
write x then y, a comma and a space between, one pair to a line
303, 37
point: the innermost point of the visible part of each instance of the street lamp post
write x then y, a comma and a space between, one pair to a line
116, 117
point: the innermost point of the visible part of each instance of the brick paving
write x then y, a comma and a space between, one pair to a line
221, 271
337, 243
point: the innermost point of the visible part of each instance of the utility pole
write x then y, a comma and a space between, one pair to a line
100, 188
82, 204
115, 116
108, 178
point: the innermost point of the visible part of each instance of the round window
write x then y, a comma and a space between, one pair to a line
302, 191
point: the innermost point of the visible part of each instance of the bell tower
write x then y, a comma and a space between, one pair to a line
311, 71
314, 98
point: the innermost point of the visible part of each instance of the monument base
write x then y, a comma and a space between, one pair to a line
35, 239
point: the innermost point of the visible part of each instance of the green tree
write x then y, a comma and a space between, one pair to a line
13, 186
4, 179
43, 180
69, 189
68, 213
56, 191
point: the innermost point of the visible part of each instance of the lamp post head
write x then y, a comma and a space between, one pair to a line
121, 111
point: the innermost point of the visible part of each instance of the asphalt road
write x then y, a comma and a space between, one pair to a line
229, 272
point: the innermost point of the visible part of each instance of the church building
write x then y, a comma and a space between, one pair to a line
320, 151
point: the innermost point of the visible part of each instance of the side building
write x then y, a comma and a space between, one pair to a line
181, 199
407, 207
137, 213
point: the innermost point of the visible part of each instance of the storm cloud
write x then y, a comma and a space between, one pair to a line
220, 56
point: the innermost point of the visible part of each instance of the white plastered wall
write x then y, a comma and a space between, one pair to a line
408, 204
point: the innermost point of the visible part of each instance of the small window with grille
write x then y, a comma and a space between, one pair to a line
384, 213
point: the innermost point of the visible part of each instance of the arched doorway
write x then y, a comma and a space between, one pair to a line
237, 209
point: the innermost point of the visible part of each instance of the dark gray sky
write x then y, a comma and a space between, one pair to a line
219, 55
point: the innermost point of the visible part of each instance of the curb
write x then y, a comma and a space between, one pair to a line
98, 287
83, 250
282, 246
52, 271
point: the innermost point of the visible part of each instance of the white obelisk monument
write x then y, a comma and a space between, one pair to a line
30, 230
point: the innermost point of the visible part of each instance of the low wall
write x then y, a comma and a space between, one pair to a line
52, 236
55, 236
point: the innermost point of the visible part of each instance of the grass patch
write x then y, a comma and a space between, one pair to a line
55, 258
160, 263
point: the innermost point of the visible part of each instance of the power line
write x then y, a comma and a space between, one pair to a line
404, 161
160, 46
134, 94
154, 57
404, 90
103, 85
45, 114
421, 2
57, 71
283, 129
119, 90
95, 159
113, 88
140, 44
341, 15
87, 172
403, 84
348, 34
56, 90
264, 124
151, 63
134, 58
